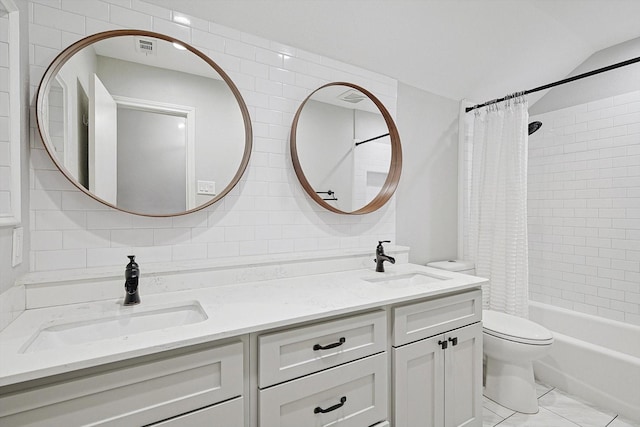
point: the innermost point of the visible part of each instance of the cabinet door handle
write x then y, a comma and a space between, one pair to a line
443, 344
454, 341
319, 410
327, 347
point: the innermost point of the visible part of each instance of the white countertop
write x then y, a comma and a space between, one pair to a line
231, 310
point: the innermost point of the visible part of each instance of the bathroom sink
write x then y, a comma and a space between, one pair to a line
407, 279
130, 321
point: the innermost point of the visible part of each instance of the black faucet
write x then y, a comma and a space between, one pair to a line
382, 257
131, 275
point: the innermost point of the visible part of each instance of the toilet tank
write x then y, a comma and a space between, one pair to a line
459, 266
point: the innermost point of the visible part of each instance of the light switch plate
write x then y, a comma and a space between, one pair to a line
18, 236
207, 188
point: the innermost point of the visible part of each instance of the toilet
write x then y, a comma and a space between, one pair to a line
510, 345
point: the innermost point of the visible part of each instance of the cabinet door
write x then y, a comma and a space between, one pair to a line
463, 377
226, 414
419, 384
143, 392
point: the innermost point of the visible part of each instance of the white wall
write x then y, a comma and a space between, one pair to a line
427, 196
584, 208
268, 212
604, 85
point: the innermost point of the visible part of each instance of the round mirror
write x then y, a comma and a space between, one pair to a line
346, 149
144, 123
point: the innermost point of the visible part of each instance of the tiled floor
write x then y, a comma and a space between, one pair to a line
557, 409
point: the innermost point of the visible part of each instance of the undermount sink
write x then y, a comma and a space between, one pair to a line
407, 279
138, 320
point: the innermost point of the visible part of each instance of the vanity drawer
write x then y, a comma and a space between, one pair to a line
225, 414
137, 393
352, 395
417, 321
296, 352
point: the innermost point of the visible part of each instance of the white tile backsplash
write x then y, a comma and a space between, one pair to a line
128, 18
591, 201
41, 35
5, 114
12, 304
267, 213
59, 19
180, 32
88, 8
100, 281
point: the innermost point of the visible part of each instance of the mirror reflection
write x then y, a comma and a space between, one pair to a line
344, 147
144, 123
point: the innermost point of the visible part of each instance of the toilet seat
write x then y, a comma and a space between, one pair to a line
513, 328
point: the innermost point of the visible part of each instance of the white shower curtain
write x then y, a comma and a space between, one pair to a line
496, 211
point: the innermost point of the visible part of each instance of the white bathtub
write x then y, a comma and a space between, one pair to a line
592, 357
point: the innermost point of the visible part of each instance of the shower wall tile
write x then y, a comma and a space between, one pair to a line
267, 213
584, 208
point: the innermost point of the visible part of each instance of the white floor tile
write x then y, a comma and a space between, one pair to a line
490, 419
575, 410
543, 418
557, 409
542, 389
496, 408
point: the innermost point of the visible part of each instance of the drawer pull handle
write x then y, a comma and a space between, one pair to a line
327, 347
443, 344
319, 410
454, 341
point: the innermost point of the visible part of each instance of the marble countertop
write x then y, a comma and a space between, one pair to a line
231, 311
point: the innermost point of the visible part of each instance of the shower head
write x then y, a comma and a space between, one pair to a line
534, 126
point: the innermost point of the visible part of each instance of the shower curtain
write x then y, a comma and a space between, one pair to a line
496, 202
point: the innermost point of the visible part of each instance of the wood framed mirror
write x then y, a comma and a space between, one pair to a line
345, 149
144, 123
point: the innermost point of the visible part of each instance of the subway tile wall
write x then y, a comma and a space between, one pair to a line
584, 208
268, 212
5, 146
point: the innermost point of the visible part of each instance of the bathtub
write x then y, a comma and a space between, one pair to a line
592, 357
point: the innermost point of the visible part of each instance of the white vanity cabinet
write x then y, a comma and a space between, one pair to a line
328, 374
371, 354
203, 383
225, 414
437, 362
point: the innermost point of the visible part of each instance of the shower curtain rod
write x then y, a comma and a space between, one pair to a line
371, 139
561, 82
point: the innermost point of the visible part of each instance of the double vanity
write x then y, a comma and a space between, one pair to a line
350, 348
300, 339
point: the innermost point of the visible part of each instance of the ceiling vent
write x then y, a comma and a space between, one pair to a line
352, 96
146, 46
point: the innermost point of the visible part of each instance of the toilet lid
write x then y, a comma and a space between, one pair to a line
515, 328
